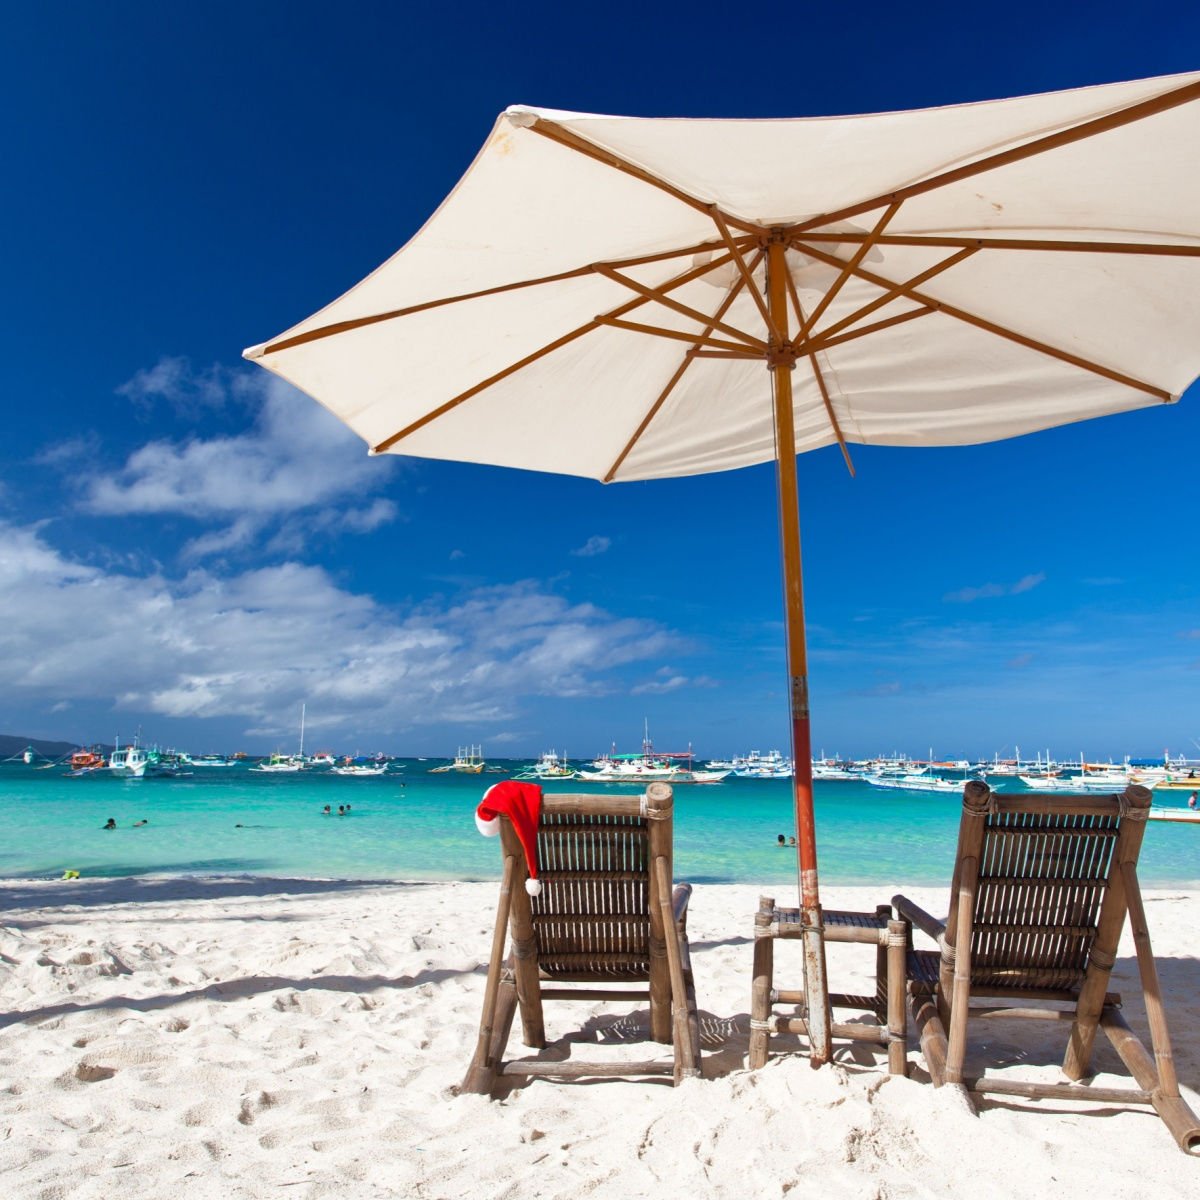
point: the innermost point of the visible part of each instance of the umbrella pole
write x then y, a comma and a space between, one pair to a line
782, 362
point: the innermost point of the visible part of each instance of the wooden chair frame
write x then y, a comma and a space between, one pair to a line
1041, 889
607, 914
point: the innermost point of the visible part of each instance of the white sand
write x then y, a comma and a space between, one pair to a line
251, 1038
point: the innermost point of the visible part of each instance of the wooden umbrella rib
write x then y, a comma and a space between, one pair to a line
675, 335
822, 342
820, 378
1052, 245
1011, 335
893, 294
688, 358
747, 275
520, 364
848, 269
683, 309
1064, 137
573, 141
325, 331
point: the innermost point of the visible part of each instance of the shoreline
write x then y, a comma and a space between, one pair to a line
238, 1034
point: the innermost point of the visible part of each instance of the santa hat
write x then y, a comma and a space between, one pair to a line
522, 804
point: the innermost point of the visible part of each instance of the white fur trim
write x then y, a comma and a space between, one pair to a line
487, 828
533, 887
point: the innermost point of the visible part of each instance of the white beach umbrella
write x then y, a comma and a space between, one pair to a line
599, 296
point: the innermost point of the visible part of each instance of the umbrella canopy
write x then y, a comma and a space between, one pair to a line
599, 295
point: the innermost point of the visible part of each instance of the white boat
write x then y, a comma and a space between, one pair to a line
1187, 816
279, 764
915, 781
649, 767
763, 766
549, 766
208, 760
634, 768
360, 770
129, 763
468, 761
824, 769
1050, 782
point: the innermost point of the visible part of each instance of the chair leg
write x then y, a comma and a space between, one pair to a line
482, 1071
763, 983
1174, 1110
680, 1015
897, 1015
485, 1066
931, 1031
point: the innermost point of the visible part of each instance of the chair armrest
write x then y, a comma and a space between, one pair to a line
917, 916
679, 903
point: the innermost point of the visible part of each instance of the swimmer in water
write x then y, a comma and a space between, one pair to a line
110, 824
137, 823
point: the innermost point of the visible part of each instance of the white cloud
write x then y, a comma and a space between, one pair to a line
667, 679
186, 389
296, 461
258, 643
990, 591
593, 546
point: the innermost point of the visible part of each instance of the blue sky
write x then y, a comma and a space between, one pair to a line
190, 548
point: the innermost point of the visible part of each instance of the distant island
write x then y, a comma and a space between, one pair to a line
11, 744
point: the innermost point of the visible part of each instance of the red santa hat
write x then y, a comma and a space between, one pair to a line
522, 804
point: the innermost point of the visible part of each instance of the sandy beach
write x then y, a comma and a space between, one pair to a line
250, 1037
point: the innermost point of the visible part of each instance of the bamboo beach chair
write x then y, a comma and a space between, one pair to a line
1041, 888
606, 915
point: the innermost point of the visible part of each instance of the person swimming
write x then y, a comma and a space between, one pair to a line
326, 811
781, 840
110, 823
137, 823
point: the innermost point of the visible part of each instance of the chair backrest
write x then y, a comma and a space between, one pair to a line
598, 915
1045, 873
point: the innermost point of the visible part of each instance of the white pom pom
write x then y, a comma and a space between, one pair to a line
488, 828
533, 887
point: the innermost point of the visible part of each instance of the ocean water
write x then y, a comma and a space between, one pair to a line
411, 824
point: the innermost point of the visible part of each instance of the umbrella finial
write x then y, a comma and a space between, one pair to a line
521, 116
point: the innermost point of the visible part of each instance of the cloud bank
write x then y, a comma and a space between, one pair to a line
257, 643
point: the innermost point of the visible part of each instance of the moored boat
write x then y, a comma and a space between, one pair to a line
359, 768
129, 762
468, 761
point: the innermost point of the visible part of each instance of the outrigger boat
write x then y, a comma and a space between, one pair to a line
648, 767
86, 762
549, 766
360, 768
468, 760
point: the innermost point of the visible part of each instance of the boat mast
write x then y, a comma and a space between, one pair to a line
302, 708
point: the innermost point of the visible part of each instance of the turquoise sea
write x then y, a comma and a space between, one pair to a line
411, 824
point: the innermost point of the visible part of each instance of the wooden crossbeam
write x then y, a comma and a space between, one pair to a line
578, 332
683, 309
848, 270
689, 357
891, 294
819, 376
675, 335
1050, 245
315, 335
1003, 158
747, 275
970, 318
822, 342
573, 141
